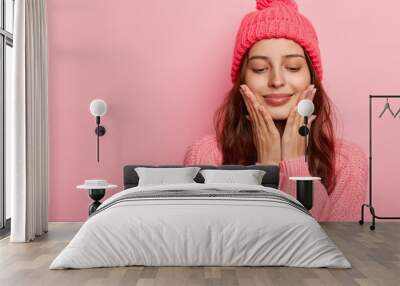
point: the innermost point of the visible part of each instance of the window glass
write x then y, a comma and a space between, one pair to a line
9, 9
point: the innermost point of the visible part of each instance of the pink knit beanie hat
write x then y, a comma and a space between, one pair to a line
276, 19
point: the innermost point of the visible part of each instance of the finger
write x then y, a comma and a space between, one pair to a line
314, 91
313, 117
306, 92
248, 115
250, 107
265, 124
254, 105
303, 94
251, 117
256, 123
292, 115
294, 120
311, 94
265, 117
269, 121
255, 100
247, 102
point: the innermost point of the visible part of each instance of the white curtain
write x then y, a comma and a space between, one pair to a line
27, 124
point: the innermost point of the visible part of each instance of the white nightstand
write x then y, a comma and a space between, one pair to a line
97, 189
304, 190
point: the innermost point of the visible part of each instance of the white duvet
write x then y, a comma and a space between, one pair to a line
200, 231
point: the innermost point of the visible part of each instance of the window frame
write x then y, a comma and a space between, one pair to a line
6, 39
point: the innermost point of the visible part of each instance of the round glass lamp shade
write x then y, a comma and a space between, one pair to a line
98, 107
305, 107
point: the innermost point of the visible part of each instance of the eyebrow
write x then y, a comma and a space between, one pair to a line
267, 58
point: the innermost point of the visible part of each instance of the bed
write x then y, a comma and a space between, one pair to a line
201, 223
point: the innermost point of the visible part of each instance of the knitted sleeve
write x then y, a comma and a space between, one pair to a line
344, 203
204, 151
352, 183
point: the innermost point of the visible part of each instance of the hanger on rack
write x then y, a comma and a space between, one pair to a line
387, 107
398, 111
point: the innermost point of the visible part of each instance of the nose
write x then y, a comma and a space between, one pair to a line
276, 80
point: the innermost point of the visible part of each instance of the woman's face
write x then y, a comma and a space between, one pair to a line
277, 72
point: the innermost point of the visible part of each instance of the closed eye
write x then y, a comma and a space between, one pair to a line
258, 70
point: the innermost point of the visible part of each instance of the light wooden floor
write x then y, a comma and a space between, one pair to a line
375, 256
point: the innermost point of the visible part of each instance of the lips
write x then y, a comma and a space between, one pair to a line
277, 99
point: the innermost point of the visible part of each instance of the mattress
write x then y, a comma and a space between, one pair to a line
201, 225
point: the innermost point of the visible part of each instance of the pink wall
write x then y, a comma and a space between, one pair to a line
163, 67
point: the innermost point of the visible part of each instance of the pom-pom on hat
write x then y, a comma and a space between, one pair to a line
276, 19
262, 4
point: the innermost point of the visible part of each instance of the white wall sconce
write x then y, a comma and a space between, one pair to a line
98, 108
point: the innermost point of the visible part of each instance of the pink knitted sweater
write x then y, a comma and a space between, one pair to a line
344, 202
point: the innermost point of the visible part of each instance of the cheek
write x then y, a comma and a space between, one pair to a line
254, 82
299, 81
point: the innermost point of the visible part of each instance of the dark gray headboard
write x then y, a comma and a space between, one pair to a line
271, 177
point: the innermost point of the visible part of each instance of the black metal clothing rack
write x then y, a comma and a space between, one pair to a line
369, 205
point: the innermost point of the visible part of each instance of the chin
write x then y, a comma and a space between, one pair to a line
279, 113
279, 117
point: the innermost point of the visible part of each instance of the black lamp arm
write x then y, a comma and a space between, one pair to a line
100, 131
303, 131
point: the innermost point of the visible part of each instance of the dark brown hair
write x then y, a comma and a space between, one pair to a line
235, 136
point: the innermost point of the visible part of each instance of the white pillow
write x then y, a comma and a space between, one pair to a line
249, 177
162, 176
